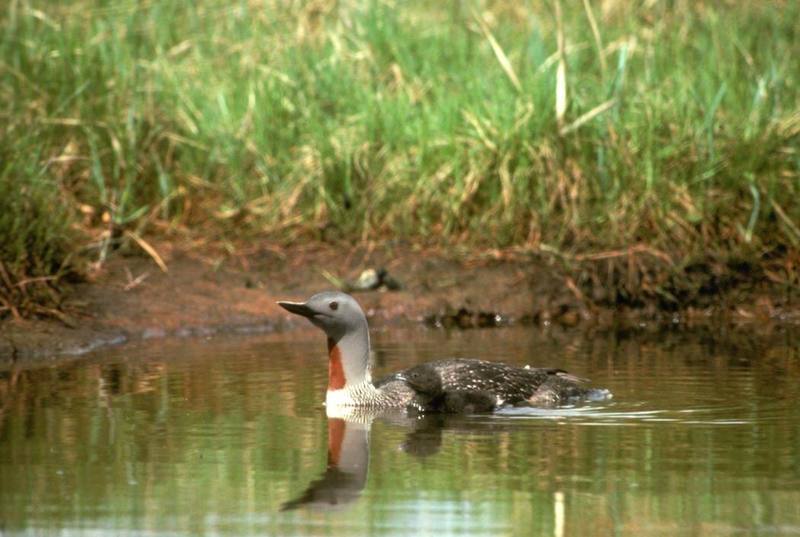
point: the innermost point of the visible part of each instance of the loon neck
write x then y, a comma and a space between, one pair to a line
348, 360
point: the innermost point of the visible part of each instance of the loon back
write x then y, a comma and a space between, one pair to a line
509, 384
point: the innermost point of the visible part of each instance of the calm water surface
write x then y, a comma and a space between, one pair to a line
228, 437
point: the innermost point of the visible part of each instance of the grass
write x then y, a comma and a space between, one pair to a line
587, 130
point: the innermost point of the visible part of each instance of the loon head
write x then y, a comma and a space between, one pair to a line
334, 312
343, 321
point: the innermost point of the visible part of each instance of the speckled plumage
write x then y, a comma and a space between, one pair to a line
510, 385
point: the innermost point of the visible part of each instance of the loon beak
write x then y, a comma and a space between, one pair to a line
300, 308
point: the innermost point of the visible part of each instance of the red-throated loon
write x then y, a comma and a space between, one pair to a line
434, 386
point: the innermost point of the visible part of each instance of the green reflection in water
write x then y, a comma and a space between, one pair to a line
214, 437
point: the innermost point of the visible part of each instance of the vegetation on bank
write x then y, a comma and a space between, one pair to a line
652, 138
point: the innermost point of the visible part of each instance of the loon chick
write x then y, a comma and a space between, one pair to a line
433, 397
350, 368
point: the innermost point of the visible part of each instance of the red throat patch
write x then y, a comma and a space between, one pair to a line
336, 378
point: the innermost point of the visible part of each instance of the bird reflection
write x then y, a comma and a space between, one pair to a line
345, 476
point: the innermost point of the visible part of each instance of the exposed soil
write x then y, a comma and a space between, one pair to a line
203, 293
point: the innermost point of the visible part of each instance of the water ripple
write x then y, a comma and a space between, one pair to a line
615, 414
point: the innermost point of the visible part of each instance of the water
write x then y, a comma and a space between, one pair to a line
228, 437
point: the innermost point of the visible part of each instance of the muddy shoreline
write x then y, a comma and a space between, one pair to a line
211, 293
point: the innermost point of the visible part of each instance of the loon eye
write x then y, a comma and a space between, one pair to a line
334, 305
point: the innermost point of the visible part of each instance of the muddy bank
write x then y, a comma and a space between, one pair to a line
205, 293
